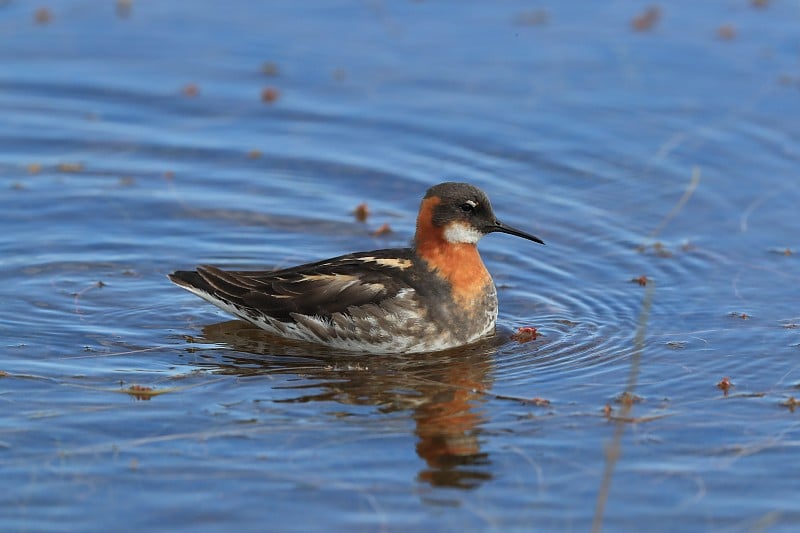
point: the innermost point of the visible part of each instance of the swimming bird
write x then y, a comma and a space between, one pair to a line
433, 296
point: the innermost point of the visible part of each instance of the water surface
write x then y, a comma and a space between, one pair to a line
138, 139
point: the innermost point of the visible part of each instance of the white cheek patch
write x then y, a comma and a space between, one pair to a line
461, 233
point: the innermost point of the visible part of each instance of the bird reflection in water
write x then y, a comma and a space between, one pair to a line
444, 391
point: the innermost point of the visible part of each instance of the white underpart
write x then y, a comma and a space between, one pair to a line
425, 341
461, 233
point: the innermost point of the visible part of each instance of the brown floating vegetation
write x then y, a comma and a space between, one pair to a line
536, 17
535, 401
255, 154
791, 403
646, 20
141, 392
641, 280
270, 95
269, 69
735, 314
725, 385
70, 167
525, 334
34, 168
385, 229
660, 249
538, 402
361, 212
726, 32
42, 15
190, 90
124, 8
628, 398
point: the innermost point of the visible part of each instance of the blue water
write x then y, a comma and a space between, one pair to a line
670, 153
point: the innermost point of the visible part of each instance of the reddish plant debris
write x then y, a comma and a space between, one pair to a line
190, 90
537, 17
124, 8
34, 168
743, 316
141, 392
269, 69
628, 398
255, 154
725, 385
661, 250
791, 402
383, 230
608, 410
70, 167
169, 175
361, 212
42, 16
538, 402
726, 32
525, 334
647, 19
641, 280
270, 95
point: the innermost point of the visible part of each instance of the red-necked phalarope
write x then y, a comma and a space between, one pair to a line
434, 296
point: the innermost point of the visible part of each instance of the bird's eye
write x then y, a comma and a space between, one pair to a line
468, 207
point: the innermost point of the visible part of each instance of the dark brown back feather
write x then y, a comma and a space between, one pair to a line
319, 289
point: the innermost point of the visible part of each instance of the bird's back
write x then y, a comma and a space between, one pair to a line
379, 301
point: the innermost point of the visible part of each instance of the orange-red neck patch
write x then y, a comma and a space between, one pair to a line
458, 263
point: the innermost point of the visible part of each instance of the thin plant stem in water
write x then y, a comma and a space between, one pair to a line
695, 181
614, 449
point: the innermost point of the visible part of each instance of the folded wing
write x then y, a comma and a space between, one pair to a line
319, 289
